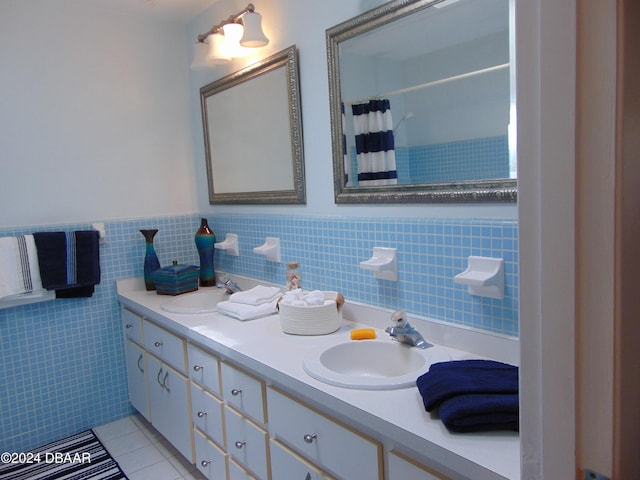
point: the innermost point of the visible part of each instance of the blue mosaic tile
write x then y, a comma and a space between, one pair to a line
63, 360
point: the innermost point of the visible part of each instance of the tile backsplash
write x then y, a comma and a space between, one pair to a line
63, 360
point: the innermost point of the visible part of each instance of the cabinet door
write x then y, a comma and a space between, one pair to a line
246, 443
137, 378
170, 405
323, 440
207, 414
210, 460
402, 467
286, 465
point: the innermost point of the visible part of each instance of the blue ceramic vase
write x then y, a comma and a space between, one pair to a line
205, 239
151, 262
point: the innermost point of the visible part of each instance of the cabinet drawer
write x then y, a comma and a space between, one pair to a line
210, 460
244, 392
402, 467
247, 443
165, 345
132, 324
287, 465
204, 368
207, 414
323, 440
236, 472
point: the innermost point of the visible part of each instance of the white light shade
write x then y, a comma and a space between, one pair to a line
253, 35
217, 49
200, 52
232, 34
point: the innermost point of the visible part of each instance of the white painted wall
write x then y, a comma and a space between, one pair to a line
94, 115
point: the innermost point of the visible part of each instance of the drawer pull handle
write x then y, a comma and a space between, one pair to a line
236, 391
140, 358
205, 463
202, 414
158, 377
128, 325
310, 438
197, 368
158, 344
164, 382
240, 444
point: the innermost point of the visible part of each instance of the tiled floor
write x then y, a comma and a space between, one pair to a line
142, 453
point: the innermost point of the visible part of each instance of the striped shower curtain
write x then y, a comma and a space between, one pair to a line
373, 126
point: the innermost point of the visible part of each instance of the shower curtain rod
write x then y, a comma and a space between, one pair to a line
433, 83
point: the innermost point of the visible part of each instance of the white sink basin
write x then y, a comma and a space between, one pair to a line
371, 364
198, 302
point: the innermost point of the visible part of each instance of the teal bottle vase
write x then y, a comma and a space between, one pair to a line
151, 262
205, 239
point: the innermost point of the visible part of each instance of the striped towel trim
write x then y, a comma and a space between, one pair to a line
71, 258
25, 270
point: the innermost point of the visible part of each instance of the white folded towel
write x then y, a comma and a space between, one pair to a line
256, 296
242, 311
19, 269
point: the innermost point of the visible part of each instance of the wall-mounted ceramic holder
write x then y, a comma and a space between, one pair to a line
230, 245
484, 276
271, 249
99, 227
384, 263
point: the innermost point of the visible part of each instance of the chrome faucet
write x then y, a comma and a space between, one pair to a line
231, 286
403, 332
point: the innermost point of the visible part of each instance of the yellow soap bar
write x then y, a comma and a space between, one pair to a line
363, 334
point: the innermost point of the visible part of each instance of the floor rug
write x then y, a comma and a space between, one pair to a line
77, 457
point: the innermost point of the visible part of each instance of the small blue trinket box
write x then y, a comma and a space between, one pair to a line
176, 279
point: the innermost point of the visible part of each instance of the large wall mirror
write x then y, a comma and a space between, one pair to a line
253, 134
422, 103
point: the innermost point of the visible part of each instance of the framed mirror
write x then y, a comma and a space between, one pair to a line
422, 103
253, 134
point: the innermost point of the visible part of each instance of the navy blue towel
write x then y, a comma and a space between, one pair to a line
472, 395
480, 412
69, 263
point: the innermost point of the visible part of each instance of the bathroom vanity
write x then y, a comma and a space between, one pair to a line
234, 399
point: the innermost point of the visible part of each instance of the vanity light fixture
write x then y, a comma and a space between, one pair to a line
229, 39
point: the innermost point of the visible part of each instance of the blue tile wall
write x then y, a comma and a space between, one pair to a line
63, 361
430, 253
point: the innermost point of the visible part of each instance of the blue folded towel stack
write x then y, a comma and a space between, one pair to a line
472, 395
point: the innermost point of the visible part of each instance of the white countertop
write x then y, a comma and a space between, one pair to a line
397, 415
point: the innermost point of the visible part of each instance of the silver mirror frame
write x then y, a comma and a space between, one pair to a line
501, 190
287, 59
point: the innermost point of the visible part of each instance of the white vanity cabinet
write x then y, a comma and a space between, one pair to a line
322, 439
